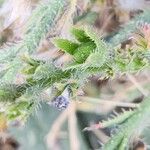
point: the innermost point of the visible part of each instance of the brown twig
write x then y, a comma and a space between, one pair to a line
138, 86
55, 129
72, 123
105, 102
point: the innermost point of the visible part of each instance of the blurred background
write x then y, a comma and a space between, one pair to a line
49, 128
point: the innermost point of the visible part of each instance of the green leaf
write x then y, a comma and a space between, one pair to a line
84, 51
94, 60
101, 47
136, 64
97, 39
80, 35
10, 92
66, 45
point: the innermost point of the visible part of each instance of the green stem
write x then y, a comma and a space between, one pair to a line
134, 123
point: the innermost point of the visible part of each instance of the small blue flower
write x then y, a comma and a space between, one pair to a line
62, 101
